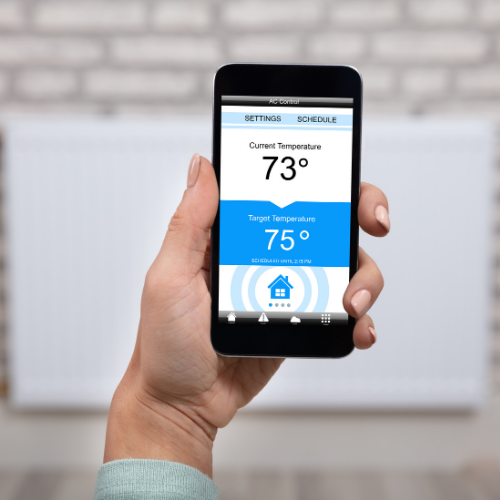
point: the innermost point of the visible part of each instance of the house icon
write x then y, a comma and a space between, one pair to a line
231, 317
280, 288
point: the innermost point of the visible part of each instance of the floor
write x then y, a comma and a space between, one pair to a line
482, 483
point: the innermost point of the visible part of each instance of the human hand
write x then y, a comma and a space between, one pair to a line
177, 390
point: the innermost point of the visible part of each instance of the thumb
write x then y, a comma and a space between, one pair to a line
184, 247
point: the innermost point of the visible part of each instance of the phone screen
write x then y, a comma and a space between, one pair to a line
285, 209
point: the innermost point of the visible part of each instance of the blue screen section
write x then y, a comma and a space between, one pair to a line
316, 233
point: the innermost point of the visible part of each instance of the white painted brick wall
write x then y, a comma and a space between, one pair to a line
483, 81
337, 48
469, 106
392, 42
11, 15
365, 13
431, 47
4, 82
440, 12
425, 82
115, 85
56, 106
378, 81
21, 51
276, 14
264, 48
155, 50
90, 15
36, 84
180, 16
489, 13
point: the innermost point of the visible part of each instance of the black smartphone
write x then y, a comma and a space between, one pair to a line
286, 153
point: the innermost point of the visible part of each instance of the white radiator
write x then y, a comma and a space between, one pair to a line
87, 206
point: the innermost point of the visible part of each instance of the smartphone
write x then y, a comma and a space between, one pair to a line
284, 245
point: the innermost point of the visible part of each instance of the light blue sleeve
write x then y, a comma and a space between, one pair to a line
152, 480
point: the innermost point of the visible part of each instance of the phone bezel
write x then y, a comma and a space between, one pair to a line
294, 80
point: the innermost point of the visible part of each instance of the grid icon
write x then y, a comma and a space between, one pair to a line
325, 319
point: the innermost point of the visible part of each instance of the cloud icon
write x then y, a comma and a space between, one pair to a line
295, 320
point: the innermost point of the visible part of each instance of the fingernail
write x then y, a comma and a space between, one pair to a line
373, 334
194, 170
382, 215
360, 302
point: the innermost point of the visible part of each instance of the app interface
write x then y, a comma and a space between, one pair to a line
285, 209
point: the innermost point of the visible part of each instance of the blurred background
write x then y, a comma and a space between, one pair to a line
107, 100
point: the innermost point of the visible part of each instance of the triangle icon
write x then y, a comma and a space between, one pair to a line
263, 318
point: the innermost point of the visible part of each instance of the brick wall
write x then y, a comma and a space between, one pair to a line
158, 56
133, 56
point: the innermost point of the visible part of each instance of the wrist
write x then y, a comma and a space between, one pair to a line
141, 426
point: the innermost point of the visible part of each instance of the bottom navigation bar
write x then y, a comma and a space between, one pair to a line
281, 318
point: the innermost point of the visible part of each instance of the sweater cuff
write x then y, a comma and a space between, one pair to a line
152, 480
